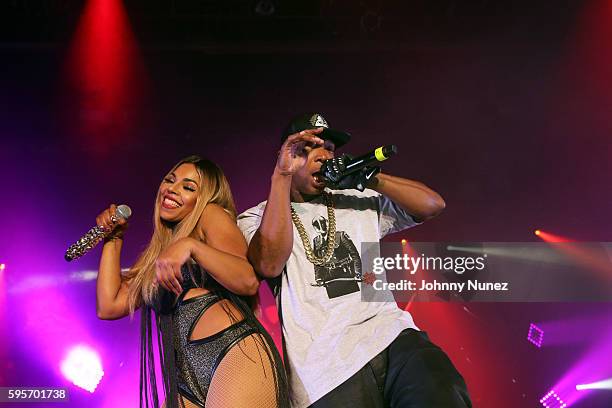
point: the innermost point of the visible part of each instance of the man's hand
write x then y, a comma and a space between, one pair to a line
332, 171
292, 155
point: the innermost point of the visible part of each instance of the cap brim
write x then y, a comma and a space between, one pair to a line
338, 137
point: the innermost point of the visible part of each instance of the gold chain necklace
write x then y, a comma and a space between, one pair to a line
331, 233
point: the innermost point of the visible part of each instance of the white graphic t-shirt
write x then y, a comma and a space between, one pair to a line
329, 332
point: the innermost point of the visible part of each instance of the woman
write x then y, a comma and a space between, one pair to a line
195, 276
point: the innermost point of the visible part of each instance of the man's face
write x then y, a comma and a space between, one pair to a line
306, 180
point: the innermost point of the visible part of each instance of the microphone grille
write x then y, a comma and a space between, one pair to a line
124, 211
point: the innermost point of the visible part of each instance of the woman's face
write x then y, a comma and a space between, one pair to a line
179, 192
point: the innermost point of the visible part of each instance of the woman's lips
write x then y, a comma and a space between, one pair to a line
170, 204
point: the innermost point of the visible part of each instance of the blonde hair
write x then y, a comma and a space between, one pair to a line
214, 188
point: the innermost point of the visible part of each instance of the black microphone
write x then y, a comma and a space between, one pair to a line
335, 169
95, 235
378, 155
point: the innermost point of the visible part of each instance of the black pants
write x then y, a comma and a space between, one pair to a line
411, 373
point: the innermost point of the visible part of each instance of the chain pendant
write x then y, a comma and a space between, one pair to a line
331, 234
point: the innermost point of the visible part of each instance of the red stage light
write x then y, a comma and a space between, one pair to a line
549, 237
585, 256
105, 70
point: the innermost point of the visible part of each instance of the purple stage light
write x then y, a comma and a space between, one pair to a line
82, 366
599, 385
591, 367
552, 400
535, 335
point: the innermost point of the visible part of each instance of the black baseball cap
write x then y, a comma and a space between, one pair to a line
314, 121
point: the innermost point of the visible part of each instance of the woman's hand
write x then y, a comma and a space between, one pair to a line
169, 263
105, 220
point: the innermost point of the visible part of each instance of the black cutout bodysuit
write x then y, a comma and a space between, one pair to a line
197, 360
189, 365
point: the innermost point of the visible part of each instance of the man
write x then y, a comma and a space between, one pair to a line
339, 350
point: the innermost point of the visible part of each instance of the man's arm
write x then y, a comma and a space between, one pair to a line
416, 198
271, 244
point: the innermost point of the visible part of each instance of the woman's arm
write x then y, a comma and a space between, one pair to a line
111, 290
223, 255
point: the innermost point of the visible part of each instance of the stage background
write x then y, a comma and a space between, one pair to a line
502, 108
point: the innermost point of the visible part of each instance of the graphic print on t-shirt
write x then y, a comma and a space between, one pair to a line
341, 274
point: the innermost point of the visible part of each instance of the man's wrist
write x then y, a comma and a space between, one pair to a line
281, 176
376, 182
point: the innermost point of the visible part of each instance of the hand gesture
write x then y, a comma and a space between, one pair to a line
292, 155
105, 220
168, 265
333, 170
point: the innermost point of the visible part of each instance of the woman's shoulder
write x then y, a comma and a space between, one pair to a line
214, 212
215, 216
